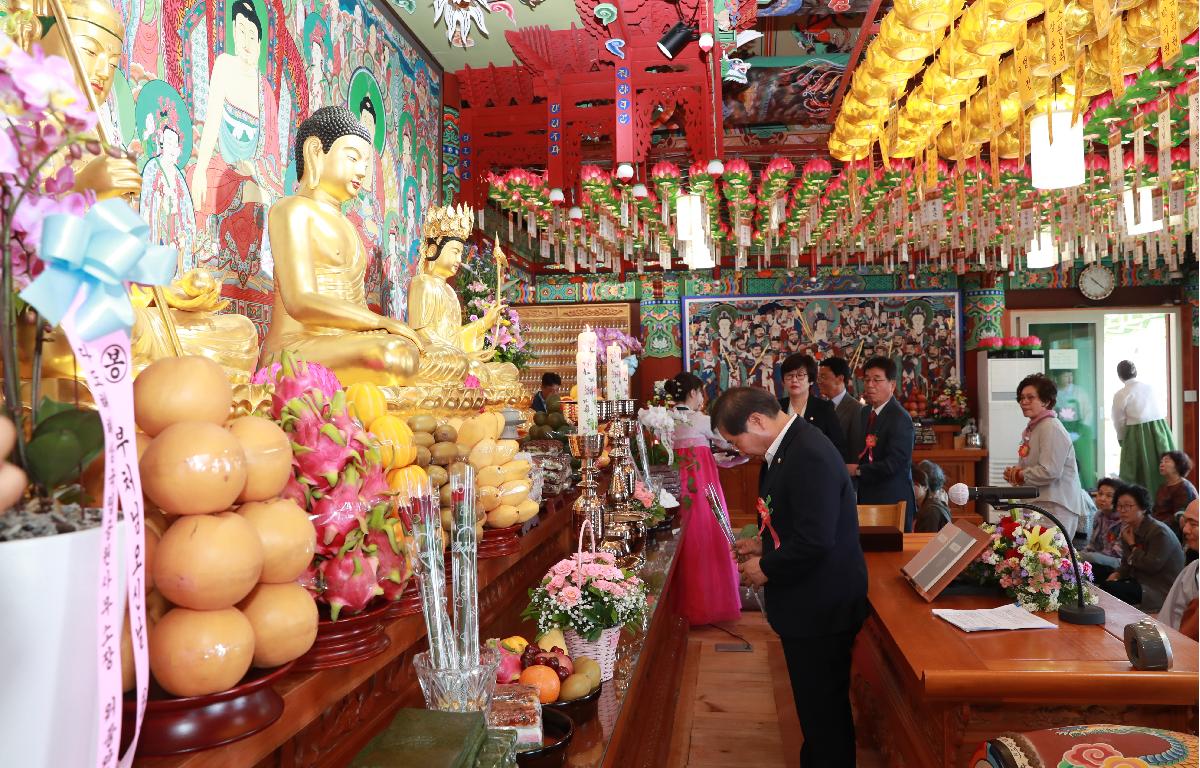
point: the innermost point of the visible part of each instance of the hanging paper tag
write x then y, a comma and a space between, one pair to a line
1168, 29
1116, 44
1056, 37
960, 190
1023, 74
931, 169
1079, 99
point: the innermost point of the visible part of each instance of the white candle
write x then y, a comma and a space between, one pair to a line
585, 376
612, 369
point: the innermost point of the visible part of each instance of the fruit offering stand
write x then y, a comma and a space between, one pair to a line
330, 715
553, 331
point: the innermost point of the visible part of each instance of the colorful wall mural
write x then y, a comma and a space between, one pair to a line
209, 96
733, 341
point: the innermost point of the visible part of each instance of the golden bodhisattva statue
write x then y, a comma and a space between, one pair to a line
435, 311
320, 309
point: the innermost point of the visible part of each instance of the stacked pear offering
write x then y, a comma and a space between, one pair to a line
223, 578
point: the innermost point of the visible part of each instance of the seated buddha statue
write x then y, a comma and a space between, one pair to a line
452, 349
320, 308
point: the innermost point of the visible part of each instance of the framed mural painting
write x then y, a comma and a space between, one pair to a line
731, 341
209, 95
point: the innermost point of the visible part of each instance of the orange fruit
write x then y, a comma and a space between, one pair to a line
545, 680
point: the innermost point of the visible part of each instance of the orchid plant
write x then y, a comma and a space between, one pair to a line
477, 273
588, 593
44, 122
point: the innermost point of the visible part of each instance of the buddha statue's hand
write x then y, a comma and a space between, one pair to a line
397, 328
109, 176
492, 315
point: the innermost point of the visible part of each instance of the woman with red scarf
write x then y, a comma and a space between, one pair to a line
1047, 455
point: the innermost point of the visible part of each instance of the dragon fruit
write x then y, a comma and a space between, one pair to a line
320, 452
509, 670
337, 515
394, 567
293, 379
351, 581
311, 580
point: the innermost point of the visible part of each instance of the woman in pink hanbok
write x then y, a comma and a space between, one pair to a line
707, 572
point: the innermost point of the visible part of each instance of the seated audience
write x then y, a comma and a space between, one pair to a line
932, 512
1176, 491
1103, 548
1151, 557
799, 375
1179, 609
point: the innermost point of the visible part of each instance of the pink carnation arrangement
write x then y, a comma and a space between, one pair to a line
588, 593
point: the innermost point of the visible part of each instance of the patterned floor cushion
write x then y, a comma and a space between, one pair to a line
1089, 746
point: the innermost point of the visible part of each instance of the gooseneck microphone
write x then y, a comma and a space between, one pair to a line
998, 497
960, 493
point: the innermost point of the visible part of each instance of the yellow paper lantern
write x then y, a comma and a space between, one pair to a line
1015, 10
927, 15
1079, 23
984, 35
854, 111
946, 90
873, 93
947, 148
879, 66
904, 44
953, 57
922, 109
1141, 25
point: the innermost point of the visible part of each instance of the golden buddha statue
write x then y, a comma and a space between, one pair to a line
320, 308
98, 35
452, 349
231, 340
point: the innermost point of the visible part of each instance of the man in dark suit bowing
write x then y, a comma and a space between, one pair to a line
809, 560
885, 446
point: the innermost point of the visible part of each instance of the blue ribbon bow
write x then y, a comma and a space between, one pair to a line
97, 253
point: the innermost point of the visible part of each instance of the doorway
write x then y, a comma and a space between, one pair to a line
1083, 347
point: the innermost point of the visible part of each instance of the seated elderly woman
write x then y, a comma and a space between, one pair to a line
1151, 557
932, 512
1103, 548
1176, 491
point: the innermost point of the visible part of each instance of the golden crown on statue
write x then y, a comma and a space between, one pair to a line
449, 221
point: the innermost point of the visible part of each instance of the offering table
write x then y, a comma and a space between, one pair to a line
927, 693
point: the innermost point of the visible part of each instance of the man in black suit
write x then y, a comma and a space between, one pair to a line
832, 380
883, 460
809, 560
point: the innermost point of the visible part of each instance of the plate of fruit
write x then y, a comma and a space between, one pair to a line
571, 686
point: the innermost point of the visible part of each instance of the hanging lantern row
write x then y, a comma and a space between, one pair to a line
991, 70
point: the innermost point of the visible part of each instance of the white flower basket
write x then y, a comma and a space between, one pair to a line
603, 651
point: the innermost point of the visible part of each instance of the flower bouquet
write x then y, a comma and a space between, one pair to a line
588, 597
950, 407
1030, 563
651, 504
660, 420
475, 277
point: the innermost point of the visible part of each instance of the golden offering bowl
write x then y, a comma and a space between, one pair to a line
1141, 25
953, 57
947, 148
1015, 10
904, 44
986, 36
880, 66
927, 15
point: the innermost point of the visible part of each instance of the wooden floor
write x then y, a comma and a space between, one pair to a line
735, 708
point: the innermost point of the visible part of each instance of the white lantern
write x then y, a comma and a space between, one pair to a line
640, 192
715, 167
706, 42
624, 171
1140, 221
575, 213
1057, 165
688, 225
557, 196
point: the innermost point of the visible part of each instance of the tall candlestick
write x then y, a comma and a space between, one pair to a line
613, 367
585, 377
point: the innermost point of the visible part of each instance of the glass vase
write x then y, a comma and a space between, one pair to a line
458, 690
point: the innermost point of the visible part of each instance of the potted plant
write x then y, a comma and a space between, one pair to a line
49, 533
590, 599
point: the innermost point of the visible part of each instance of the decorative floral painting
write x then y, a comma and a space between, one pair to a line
209, 96
736, 341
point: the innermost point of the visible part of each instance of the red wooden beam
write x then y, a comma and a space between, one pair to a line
864, 33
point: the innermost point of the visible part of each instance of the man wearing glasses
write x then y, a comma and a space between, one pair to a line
885, 445
1179, 609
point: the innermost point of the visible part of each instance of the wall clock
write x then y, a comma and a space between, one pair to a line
1097, 282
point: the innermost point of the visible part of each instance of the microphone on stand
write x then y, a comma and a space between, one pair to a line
997, 496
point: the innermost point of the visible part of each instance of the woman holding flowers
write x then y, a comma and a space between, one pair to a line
1047, 455
709, 576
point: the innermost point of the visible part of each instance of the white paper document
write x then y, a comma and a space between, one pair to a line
1010, 616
